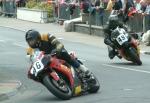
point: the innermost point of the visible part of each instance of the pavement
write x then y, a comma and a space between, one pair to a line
145, 49
10, 87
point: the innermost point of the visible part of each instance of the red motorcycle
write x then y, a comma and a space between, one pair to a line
60, 78
126, 46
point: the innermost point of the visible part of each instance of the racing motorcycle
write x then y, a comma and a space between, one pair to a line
126, 46
60, 78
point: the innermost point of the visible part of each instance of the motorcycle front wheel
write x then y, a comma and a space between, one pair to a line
62, 91
95, 86
134, 56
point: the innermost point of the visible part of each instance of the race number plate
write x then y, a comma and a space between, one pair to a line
121, 39
37, 67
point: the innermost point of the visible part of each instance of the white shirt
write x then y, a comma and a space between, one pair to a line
147, 9
138, 7
123, 4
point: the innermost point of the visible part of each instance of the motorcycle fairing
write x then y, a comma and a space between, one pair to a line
134, 44
63, 69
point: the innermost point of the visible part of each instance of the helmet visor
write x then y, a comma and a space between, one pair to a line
33, 43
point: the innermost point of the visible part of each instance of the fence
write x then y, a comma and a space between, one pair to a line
8, 7
138, 23
64, 12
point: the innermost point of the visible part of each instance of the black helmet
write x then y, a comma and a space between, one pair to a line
113, 21
33, 38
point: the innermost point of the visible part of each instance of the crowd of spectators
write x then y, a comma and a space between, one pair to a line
98, 7
125, 7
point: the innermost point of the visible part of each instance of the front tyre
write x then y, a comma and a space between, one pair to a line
95, 86
61, 91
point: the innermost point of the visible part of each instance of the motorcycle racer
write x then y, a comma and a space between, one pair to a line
48, 43
113, 23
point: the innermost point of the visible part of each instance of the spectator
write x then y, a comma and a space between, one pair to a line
1, 5
143, 5
99, 5
105, 3
138, 6
147, 15
85, 5
110, 5
115, 5
128, 5
118, 5
72, 6
20, 3
147, 10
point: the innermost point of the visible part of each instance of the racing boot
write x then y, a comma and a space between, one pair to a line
87, 75
112, 54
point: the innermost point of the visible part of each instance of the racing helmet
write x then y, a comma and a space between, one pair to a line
113, 21
33, 38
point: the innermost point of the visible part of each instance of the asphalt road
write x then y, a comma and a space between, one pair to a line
121, 81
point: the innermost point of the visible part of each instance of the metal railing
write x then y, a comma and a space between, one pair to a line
64, 12
137, 23
8, 8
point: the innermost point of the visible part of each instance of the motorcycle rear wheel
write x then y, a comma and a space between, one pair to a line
50, 84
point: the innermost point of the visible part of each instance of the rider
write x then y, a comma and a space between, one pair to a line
47, 43
113, 23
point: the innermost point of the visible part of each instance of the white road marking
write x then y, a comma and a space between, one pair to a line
2, 41
60, 38
118, 67
127, 89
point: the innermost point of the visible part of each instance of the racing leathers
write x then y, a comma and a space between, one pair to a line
107, 40
49, 43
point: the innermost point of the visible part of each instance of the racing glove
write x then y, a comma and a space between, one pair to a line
59, 47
